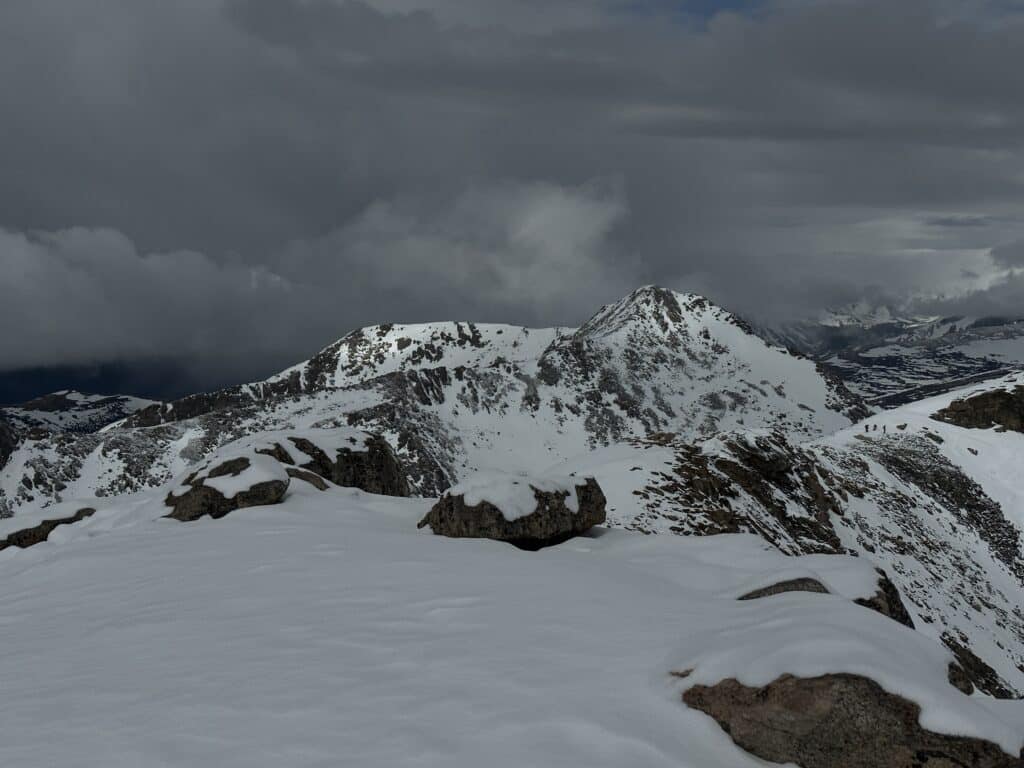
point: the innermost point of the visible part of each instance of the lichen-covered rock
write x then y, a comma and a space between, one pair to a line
530, 513
227, 484
1002, 408
836, 721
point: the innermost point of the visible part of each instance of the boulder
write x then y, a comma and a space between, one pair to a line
226, 484
530, 513
836, 721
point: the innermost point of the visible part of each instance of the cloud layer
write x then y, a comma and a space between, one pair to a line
235, 183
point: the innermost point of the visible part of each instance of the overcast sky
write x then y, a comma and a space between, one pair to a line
225, 186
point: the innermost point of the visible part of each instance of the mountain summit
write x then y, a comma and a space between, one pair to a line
456, 397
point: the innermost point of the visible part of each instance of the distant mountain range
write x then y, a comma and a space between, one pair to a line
889, 357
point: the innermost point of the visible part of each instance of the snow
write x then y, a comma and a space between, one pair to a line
513, 494
329, 440
261, 469
988, 456
328, 630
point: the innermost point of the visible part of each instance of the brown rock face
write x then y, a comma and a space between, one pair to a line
837, 721
37, 534
552, 522
201, 500
997, 408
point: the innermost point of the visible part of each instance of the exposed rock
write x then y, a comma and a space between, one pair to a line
372, 466
836, 721
805, 584
310, 477
971, 672
37, 534
995, 408
202, 499
551, 522
887, 601
8, 442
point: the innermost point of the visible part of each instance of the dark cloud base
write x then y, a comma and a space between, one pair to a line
231, 184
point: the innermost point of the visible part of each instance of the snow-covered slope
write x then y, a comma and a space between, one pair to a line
939, 506
457, 397
328, 631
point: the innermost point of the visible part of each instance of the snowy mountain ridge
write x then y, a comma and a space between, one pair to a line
72, 411
457, 397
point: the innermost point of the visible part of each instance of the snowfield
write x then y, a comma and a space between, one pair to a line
329, 631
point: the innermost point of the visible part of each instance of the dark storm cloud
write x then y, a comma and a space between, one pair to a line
1009, 254
959, 221
236, 183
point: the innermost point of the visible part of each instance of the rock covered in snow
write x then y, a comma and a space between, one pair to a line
836, 721
227, 484
347, 457
530, 512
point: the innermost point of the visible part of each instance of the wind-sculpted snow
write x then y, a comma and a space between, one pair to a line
328, 630
937, 506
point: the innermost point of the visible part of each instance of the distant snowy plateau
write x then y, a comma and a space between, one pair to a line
809, 552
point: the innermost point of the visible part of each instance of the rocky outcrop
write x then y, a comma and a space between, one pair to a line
551, 522
805, 584
310, 477
29, 537
887, 601
836, 721
244, 487
970, 672
370, 465
1000, 408
8, 442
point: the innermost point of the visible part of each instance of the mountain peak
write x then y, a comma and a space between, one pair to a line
660, 311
